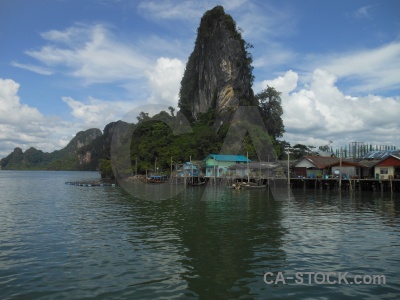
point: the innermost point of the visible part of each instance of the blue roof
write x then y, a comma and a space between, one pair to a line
227, 157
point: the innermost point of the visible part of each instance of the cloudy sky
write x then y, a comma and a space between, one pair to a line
70, 65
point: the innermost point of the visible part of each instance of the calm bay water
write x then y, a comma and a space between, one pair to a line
67, 242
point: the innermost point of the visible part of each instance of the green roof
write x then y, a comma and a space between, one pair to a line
227, 157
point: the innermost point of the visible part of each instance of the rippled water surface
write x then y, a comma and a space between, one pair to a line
68, 242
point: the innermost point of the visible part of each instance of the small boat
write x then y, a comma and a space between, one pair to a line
157, 179
89, 183
236, 186
251, 187
198, 183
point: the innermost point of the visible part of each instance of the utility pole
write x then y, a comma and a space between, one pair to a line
288, 165
340, 170
248, 171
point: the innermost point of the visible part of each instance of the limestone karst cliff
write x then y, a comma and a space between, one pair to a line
218, 74
218, 78
68, 158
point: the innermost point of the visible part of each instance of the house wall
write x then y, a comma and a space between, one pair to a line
241, 172
366, 172
210, 161
300, 171
314, 173
221, 167
384, 171
346, 171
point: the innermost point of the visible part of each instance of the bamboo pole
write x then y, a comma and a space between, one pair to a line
340, 169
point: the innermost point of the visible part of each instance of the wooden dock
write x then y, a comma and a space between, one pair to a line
89, 183
351, 184
365, 184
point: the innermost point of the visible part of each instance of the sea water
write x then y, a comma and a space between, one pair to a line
68, 242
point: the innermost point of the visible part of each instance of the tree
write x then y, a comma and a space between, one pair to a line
143, 116
269, 101
172, 110
300, 150
280, 148
324, 148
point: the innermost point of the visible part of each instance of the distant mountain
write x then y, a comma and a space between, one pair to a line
72, 157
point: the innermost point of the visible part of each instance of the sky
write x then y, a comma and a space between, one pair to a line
71, 65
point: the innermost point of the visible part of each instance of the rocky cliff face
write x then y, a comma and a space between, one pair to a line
81, 139
68, 158
218, 74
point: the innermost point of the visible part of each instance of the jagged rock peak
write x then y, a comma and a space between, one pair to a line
82, 138
218, 74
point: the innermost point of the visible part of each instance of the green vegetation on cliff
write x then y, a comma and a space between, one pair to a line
217, 80
72, 157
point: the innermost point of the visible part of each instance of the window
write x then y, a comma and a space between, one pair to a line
384, 171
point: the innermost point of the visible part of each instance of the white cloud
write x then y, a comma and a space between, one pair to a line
164, 81
369, 70
320, 112
95, 55
97, 113
91, 53
11, 110
32, 68
24, 126
284, 84
363, 12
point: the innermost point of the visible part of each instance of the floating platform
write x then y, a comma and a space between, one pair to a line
89, 183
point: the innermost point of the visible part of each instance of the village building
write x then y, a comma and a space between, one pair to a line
388, 168
254, 169
217, 164
367, 168
188, 169
312, 166
348, 169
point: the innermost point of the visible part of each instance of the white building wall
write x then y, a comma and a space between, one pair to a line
382, 172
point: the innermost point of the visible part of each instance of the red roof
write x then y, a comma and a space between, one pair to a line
390, 161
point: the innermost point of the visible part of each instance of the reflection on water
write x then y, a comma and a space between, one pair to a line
231, 237
60, 241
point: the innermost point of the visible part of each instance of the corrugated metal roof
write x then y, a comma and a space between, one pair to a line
346, 163
255, 165
368, 163
322, 162
380, 154
227, 157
